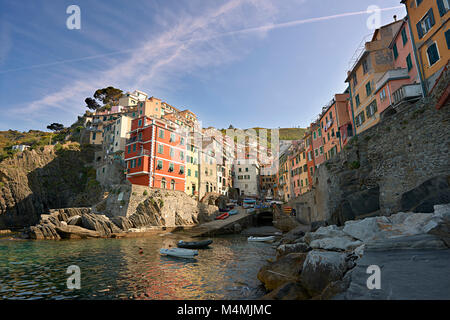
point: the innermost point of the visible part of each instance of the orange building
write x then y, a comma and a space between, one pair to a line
428, 21
155, 154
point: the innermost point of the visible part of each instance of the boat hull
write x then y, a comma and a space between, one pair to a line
179, 253
194, 244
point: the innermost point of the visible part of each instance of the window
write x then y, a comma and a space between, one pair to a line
189, 172
443, 6
172, 137
355, 80
383, 94
170, 167
139, 162
159, 165
368, 89
360, 119
433, 54
161, 133
357, 101
182, 141
311, 170
140, 122
160, 149
320, 132
395, 51
172, 184
321, 150
240, 169
163, 183
94, 135
171, 153
418, 2
246, 169
316, 152
371, 109
129, 149
424, 25
409, 62
404, 36
181, 155
196, 174
365, 66
314, 135
181, 169
134, 147
447, 37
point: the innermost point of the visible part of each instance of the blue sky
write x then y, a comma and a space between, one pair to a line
249, 63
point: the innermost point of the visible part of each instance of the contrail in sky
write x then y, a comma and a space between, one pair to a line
217, 35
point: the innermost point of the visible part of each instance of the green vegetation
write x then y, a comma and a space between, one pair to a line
145, 193
354, 165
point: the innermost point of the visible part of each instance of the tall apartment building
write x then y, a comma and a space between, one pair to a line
155, 154
428, 21
374, 61
246, 177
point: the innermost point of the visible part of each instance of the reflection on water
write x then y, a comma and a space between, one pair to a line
114, 269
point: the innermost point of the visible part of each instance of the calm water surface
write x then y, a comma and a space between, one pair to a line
114, 269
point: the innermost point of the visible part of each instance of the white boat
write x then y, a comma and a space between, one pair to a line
261, 239
179, 252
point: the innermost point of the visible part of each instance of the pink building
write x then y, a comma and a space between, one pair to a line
317, 143
404, 70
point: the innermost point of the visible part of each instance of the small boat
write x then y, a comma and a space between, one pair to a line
251, 210
223, 216
232, 212
178, 252
261, 239
194, 244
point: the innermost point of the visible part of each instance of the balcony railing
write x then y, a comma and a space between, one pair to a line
407, 92
401, 73
133, 139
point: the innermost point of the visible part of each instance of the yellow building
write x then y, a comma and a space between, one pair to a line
430, 29
370, 66
192, 168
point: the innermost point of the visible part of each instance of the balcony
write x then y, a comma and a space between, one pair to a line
407, 92
394, 74
133, 139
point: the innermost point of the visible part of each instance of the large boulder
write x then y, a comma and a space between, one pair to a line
286, 269
356, 205
285, 249
423, 198
367, 229
76, 232
321, 268
122, 223
42, 232
345, 243
99, 223
75, 221
332, 231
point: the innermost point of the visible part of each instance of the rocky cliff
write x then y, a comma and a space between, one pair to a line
32, 182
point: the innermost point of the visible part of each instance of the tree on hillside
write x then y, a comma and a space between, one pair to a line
56, 127
107, 95
91, 104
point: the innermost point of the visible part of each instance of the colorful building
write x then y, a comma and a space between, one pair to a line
371, 65
428, 21
155, 154
317, 142
402, 81
192, 164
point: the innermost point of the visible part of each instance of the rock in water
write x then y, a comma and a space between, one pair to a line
321, 268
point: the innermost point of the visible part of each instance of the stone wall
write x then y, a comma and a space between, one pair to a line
408, 149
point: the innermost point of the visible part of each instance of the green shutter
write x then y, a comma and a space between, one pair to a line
394, 49
409, 62
404, 37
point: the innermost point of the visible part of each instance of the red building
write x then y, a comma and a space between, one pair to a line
155, 154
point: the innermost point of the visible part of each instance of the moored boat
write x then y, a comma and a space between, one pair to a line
261, 239
223, 216
232, 212
194, 244
179, 252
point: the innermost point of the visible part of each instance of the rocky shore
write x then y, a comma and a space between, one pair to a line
330, 262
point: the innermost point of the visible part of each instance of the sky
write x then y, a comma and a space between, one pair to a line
248, 63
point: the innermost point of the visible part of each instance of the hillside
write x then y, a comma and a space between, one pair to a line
284, 133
